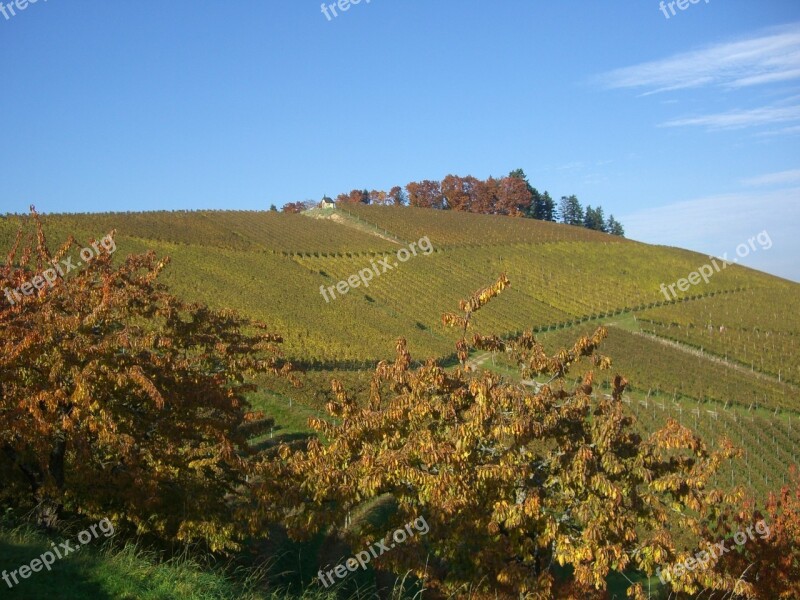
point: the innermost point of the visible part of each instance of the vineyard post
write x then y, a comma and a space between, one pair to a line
749, 471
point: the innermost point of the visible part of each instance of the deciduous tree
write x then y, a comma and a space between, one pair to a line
513, 197
293, 207
766, 567
425, 194
355, 196
511, 479
119, 401
459, 192
398, 196
378, 198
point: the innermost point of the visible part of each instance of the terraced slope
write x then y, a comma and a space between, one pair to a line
723, 357
448, 228
259, 231
767, 341
271, 266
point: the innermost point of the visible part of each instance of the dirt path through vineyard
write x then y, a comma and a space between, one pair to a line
715, 358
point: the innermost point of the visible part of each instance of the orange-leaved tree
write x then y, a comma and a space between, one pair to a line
120, 401
512, 479
766, 563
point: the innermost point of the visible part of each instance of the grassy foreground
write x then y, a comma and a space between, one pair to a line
104, 571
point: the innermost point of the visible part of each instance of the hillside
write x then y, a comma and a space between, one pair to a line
271, 266
728, 347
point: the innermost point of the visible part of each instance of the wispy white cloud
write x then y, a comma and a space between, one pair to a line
767, 78
793, 130
769, 56
789, 177
717, 224
738, 119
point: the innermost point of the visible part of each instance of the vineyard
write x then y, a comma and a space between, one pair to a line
769, 441
765, 341
661, 370
455, 228
721, 359
758, 414
270, 266
258, 231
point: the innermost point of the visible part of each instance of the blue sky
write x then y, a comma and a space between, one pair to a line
686, 128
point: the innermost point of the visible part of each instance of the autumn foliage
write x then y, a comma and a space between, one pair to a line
504, 196
294, 207
767, 569
119, 401
395, 197
512, 479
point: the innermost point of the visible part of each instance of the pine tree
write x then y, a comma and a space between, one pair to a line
600, 219
594, 219
542, 206
614, 227
570, 210
589, 217
548, 208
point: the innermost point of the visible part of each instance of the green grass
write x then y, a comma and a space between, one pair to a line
105, 572
291, 416
101, 571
